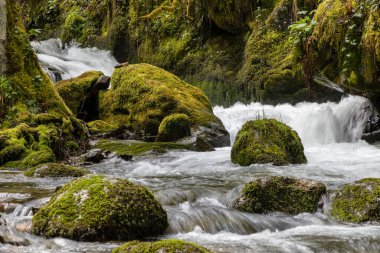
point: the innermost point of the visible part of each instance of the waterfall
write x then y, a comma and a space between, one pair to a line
66, 61
315, 123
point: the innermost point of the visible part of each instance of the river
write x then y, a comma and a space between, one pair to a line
197, 189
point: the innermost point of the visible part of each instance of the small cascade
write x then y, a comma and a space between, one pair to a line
317, 124
67, 61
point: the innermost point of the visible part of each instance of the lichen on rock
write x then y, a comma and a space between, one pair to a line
358, 201
97, 208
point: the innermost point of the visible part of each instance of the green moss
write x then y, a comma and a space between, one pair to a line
76, 91
74, 25
143, 95
55, 170
174, 127
11, 153
139, 148
358, 201
280, 194
99, 127
96, 208
35, 102
267, 141
168, 246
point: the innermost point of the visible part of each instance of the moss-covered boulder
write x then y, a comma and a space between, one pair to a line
55, 170
267, 141
163, 246
280, 194
142, 96
81, 94
97, 208
174, 127
358, 201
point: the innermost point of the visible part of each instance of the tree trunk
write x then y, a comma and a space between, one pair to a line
3, 36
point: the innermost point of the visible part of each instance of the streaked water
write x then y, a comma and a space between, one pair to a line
72, 60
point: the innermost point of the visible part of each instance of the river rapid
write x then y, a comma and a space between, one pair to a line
197, 189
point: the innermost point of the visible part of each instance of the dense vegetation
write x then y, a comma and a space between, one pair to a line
234, 50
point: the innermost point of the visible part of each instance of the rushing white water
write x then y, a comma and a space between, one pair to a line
197, 189
71, 60
315, 123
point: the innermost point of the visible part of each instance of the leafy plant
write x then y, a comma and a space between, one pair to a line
302, 29
7, 94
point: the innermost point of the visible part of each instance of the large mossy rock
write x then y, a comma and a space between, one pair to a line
164, 246
267, 141
81, 93
358, 201
280, 194
142, 96
97, 208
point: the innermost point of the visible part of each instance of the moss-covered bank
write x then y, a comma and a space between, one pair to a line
97, 208
135, 148
36, 126
234, 50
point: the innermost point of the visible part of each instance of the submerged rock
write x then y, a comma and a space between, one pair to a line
93, 156
358, 201
163, 246
97, 208
55, 170
280, 194
267, 141
142, 96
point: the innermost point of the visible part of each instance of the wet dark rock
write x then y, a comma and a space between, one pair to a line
126, 157
93, 156
198, 143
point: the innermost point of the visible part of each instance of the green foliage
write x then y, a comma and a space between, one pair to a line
267, 141
302, 29
7, 94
